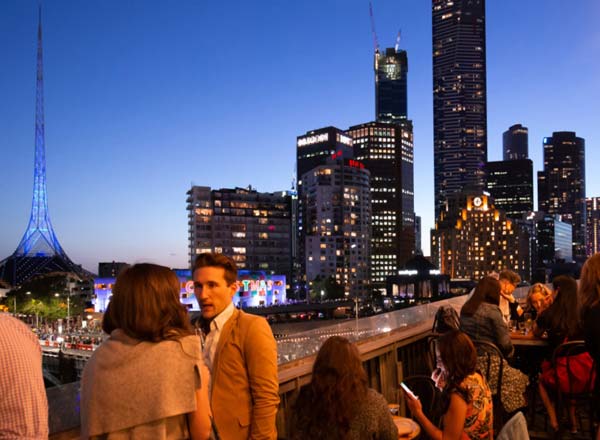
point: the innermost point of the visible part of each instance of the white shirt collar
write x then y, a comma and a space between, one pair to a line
219, 321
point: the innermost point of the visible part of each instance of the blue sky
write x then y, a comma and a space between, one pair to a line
145, 97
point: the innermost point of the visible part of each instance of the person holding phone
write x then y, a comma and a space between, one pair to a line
467, 398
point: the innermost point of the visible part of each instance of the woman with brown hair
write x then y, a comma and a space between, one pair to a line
481, 319
147, 380
337, 403
589, 297
468, 399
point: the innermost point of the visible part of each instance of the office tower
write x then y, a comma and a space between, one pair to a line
510, 183
391, 70
418, 248
593, 225
561, 185
252, 227
459, 97
481, 239
337, 202
39, 251
554, 240
387, 152
313, 149
515, 143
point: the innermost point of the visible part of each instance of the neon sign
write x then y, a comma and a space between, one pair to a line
356, 164
344, 139
315, 139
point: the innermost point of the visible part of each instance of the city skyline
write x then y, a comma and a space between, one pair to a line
133, 91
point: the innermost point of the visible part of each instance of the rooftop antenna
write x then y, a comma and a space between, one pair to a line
398, 39
373, 31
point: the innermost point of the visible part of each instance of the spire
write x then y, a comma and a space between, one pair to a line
39, 238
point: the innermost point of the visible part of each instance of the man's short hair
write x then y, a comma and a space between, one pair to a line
211, 259
510, 276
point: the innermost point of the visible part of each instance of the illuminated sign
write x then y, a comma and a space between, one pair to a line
408, 272
434, 272
356, 164
315, 139
337, 154
344, 139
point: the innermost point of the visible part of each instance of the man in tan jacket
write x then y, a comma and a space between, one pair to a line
241, 353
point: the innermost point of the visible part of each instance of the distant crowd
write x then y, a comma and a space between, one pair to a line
159, 375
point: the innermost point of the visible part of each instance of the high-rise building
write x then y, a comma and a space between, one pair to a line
553, 239
39, 251
481, 239
418, 248
387, 152
515, 143
510, 183
561, 185
337, 202
391, 70
251, 227
313, 149
593, 225
459, 97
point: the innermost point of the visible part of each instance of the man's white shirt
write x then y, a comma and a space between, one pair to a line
211, 340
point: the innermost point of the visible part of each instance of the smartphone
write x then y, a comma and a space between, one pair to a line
408, 390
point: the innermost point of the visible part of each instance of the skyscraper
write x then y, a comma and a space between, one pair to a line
390, 85
313, 149
515, 143
561, 185
387, 152
251, 227
39, 250
337, 200
459, 97
510, 183
593, 225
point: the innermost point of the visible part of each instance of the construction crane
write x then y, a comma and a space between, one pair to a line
375, 42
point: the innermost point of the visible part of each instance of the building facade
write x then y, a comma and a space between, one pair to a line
561, 185
459, 97
510, 183
515, 143
251, 227
387, 152
554, 240
337, 225
391, 70
481, 239
313, 149
593, 225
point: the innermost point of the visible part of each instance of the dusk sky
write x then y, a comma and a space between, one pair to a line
144, 98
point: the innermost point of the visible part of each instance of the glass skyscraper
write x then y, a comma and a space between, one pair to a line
515, 143
561, 185
391, 68
459, 97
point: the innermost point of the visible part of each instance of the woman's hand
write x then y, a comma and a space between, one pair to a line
414, 405
439, 378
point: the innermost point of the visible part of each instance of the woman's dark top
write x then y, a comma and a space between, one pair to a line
591, 334
556, 335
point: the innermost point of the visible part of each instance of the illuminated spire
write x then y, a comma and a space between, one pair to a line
39, 239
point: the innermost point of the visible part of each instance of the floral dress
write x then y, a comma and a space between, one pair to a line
479, 418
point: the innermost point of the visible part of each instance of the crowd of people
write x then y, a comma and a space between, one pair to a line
157, 375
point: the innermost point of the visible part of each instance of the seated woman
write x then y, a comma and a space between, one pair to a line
337, 403
561, 321
148, 379
539, 298
589, 295
466, 395
481, 320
